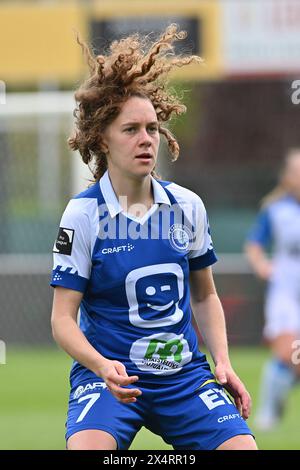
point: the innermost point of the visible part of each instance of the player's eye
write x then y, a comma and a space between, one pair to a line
130, 130
152, 129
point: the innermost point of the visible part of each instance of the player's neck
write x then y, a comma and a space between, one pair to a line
131, 191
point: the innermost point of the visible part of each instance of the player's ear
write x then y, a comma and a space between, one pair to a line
103, 145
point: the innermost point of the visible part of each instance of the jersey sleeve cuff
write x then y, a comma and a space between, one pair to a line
203, 261
69, 281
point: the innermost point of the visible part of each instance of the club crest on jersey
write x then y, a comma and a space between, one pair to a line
180, 237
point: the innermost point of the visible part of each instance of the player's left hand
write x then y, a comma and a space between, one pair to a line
226, 376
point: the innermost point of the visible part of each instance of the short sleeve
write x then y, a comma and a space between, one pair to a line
72, 249
261, 231
202, 253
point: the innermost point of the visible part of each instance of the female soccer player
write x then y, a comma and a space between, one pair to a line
129, 252
279, 222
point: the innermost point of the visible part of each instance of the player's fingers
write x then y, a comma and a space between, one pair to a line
122, 392
246, 404
126, 392
222, 380
241, 397
243, 403
125, 398
130, 380
117, 379
128, 400
221, 376
120, 368
126, 380
238, 404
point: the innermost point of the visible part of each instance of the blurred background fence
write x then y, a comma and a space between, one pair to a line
241, 119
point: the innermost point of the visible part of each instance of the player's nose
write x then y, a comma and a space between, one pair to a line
144, 138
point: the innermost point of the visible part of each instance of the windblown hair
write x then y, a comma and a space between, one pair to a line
280, 190
129, 69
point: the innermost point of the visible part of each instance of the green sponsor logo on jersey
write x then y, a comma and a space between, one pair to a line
172, 347
162, 353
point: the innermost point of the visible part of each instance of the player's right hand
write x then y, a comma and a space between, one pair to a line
264, 270
117, 380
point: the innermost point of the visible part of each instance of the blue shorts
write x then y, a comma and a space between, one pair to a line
187, 414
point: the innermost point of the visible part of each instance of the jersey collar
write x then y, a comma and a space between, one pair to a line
112, 202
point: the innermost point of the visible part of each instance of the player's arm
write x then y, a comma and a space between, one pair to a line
258, 239
69, 337
210, 319
66, 332
258, 259
70, 277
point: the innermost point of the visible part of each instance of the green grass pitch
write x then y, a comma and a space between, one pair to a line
34, 393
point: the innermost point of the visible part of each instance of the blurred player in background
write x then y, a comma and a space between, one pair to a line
129, 250
278, 223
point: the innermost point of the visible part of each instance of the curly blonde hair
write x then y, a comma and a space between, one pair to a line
280, 189
127, 70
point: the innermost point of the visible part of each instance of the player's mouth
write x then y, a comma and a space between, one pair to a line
161, 308
146, 156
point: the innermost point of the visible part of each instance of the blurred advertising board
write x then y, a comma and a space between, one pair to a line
260, 37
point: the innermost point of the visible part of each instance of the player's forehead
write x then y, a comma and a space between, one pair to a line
137, 110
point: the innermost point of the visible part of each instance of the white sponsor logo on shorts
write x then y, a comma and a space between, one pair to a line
80, 390
215, 397
226, 417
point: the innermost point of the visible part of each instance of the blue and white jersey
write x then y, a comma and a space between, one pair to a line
279, 225
134, 274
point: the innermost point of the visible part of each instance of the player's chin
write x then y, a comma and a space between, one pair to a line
144, 170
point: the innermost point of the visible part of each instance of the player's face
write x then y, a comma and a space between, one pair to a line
291, 175
132, 139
